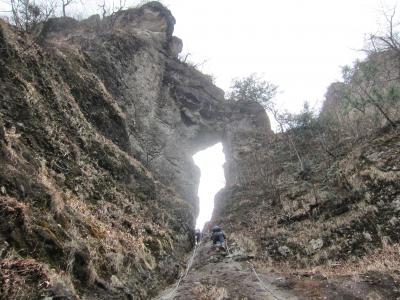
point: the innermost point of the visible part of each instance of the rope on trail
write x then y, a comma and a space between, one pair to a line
227, 248
255, 272
262, 283
183, 275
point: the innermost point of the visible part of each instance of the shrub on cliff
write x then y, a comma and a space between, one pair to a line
369, 95
253, 88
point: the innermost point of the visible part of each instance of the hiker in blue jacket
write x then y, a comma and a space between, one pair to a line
218, 237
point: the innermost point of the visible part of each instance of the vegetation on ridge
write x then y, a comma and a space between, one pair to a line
331, 178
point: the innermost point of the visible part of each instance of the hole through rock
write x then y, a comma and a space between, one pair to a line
212, 179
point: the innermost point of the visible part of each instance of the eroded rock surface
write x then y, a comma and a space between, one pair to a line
98, 124
343, 209
98, 190
219, 275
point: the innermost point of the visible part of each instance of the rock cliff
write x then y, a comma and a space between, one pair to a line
340, 210
99, 121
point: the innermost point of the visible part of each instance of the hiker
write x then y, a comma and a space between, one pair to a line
218, 237
197, 234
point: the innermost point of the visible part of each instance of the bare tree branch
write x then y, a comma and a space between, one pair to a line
66, 3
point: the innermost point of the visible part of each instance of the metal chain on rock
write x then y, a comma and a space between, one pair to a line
183, 275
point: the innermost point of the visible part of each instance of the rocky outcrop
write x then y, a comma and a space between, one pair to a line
98, 124
338, 210
98, 190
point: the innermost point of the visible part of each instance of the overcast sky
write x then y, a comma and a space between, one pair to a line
299, 45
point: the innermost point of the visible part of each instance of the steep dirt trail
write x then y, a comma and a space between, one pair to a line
214, 275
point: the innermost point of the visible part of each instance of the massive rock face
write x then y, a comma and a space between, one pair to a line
98, 190
98, 124
337, 210
164, 110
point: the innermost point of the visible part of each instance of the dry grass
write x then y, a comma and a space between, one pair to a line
206, 292
22, 278
385, 260
13, 209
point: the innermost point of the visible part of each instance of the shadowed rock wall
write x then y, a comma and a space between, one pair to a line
98, 124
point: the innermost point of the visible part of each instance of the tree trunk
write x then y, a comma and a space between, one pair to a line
384, 114
295, 150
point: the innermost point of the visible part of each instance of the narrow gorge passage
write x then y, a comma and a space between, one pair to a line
210, 161
105, 125
215, 275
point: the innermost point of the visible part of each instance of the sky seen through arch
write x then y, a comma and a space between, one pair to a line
210, 161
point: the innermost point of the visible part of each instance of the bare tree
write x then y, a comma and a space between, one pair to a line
389, 39
108, 10
373, 85
15, 4
66, 3
26, 14
369, 84
104, 9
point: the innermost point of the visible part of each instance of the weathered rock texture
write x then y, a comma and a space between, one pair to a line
98, 190
335, 210
98, 124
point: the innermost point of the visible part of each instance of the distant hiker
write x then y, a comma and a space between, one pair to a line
197, 234
218, 237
